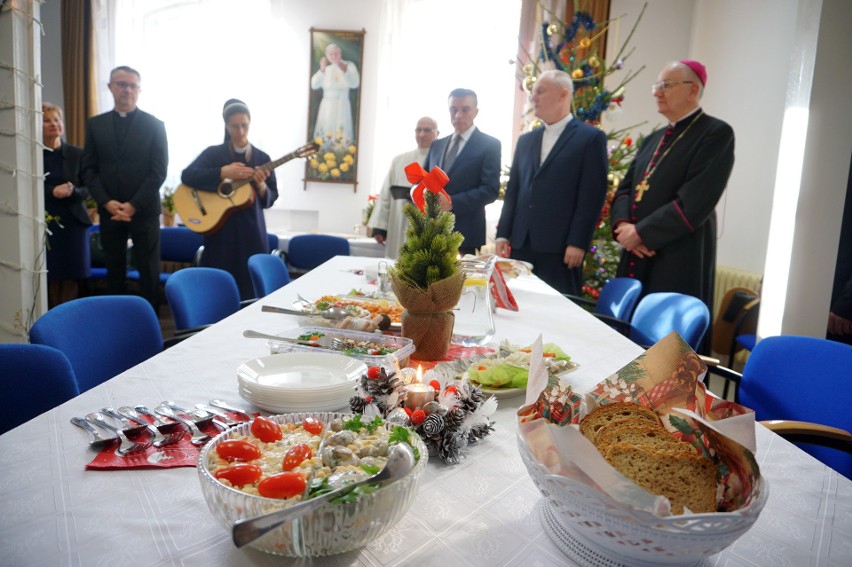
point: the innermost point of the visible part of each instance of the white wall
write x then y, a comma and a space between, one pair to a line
51, 48
746, 47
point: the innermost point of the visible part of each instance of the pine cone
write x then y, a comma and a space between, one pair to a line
449, 449
434, 424
454, 418
479, 431
357, 404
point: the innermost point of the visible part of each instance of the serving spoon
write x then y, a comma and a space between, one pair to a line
400, 462
332, 313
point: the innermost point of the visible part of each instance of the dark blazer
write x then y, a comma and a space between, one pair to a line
72, 157
474, 182
558, 203
132, 171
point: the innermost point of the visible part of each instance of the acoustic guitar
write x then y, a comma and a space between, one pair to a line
205, 212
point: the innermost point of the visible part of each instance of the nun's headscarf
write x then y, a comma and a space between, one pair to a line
233, 106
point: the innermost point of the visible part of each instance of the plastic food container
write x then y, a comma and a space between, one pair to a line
402, 347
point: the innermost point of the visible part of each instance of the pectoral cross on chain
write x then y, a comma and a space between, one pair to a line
640, 190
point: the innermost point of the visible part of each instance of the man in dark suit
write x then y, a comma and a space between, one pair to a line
471, 160
556, 188
124, 165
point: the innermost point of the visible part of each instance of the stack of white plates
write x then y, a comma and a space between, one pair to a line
300, 381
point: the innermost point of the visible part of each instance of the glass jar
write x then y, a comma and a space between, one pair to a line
474, 319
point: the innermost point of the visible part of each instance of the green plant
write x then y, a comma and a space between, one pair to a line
168, 199
431, 248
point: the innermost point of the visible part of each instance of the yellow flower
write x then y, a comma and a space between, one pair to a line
344, 167
314, 163
322, 168
335, 172
331, 163
352, 149
328, 134
348, 159
318, 140
328, 156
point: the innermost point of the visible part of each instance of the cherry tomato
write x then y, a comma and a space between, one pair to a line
312, 425
296, 456
374, 372
239, 474
266, 430
237, 450
282, 485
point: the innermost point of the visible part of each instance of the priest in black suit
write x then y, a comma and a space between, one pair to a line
556, 189
663, 212
124, 164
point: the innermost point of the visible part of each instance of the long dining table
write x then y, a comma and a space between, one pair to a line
482, 511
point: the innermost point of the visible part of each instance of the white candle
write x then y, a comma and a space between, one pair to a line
418, 394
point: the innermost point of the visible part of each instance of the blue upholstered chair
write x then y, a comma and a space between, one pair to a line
34, 379
801, 379
268, 273
199, 297
274, 243
658, 314
617, 299
307, 251
102, 336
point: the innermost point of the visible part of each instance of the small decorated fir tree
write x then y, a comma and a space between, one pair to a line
427, 278
431, 248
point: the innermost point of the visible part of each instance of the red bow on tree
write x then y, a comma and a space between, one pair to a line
434, 181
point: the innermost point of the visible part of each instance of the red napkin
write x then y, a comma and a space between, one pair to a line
180, 454
502, 294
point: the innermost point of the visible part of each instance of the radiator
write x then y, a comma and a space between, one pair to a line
727, 277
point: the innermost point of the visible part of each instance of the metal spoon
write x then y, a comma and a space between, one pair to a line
332, 313
249, 334
227, 407
400, 462
126, 446
98, 440
165, 434
219, 414
198, 437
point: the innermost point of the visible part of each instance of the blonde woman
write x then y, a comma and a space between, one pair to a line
68, 258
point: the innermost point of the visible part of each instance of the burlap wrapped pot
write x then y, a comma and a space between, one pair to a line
428, 317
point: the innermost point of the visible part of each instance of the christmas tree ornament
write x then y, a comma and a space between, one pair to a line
552, 29
529, 82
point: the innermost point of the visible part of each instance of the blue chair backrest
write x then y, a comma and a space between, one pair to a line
201, 296
802, 379
307, 251
658, 314
179, 244
102, 336
272, 242
618, 298
35, 379
268, 273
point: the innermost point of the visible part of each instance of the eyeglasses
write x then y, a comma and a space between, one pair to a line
666, 85
123, 85
424, 130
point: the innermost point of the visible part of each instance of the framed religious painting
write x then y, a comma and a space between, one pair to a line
334, 105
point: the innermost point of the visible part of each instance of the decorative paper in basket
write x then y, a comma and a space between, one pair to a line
456, 352
666, 378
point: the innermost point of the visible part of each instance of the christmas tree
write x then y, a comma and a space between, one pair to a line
576, 47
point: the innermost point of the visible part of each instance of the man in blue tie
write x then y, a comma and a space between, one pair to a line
471, 160
556, 189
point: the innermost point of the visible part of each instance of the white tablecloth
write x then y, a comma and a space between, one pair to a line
480, 512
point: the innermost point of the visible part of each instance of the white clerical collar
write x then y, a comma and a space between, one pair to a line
559, 125
241, 150
682, 118
124, 114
